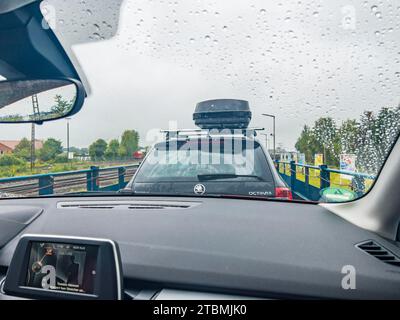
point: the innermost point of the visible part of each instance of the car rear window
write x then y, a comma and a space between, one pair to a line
186, 160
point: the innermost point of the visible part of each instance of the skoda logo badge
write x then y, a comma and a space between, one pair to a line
199, 189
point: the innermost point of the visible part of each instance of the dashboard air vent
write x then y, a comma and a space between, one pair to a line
376, 250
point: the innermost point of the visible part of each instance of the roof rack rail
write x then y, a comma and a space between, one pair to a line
186, 133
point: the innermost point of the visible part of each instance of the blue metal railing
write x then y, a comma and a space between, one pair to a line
92, 179
316, 178
322, 179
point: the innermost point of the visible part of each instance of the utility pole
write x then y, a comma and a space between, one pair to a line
274, 133
32, 146
36, 113
68, 138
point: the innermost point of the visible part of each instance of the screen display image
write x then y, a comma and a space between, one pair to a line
62, 267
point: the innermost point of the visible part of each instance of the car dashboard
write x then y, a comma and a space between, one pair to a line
210, 248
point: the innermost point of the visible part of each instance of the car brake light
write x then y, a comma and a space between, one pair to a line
283, 193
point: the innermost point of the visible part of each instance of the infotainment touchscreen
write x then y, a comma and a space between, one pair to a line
65, 267
62, 266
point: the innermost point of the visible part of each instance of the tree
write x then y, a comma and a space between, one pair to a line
307, 144
122, 153
129, 142
370, 139
23, 149
376, 138
51, 148
75, 150
348, 133
12, 117
61, 158
387, 130
112, 149
366, 152
62, 106
321, 138
325, 133
78, 151
97, 149
10, 160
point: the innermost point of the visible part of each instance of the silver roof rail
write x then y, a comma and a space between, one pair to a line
188, 133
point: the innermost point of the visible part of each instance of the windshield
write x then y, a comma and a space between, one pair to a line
313, 86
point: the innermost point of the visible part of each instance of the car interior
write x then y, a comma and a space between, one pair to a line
162, 245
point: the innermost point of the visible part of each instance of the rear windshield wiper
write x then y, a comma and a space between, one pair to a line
217, 176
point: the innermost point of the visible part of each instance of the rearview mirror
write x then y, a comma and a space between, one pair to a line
39, 100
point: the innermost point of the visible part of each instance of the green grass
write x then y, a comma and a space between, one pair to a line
42, 168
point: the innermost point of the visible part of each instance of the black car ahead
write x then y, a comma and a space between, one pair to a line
209, 165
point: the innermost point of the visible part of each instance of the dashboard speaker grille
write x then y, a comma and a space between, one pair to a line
376, 250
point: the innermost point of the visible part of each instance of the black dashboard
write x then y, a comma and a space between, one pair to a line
206, 247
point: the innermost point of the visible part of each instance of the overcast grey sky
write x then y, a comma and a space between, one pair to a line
296, 59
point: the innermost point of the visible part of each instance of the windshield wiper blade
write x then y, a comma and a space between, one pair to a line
85, 193
217, 176
126, 191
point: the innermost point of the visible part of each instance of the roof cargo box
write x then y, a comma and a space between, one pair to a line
222, 114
